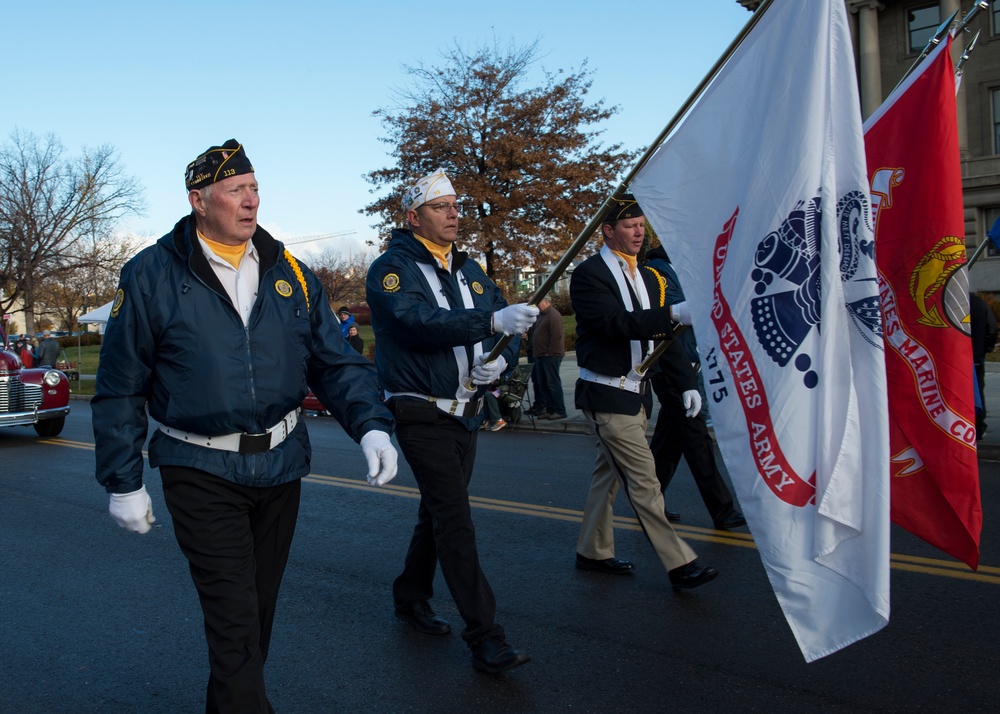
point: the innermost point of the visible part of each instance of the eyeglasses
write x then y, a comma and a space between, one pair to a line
444, 207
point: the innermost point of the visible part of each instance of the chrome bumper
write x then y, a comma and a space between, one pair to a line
32, 417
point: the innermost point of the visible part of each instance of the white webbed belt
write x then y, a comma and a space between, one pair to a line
241, 443
629, 385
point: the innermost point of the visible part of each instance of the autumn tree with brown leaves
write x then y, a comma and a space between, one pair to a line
525, 160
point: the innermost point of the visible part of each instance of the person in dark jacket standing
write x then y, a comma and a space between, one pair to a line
983, 329
230, 447
436, 316
620, 310
548, 347
354, 339
48, 350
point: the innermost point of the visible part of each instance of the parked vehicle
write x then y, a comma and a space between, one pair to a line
39, 397
312, 404
66, 367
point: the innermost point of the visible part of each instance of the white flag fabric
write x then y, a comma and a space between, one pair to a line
761, 199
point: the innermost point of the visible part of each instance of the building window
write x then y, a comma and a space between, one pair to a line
996, 19
921, 23
995, 95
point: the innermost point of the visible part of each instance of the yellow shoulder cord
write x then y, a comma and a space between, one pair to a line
663, 284
298, 274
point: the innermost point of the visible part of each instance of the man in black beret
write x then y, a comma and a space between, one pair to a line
620, 311
230, 447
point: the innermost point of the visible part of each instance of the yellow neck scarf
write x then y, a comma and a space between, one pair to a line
630, 259
438, 251
232, 254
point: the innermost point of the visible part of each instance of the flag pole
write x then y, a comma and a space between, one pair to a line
992, 235
577, 245
654, 356
975, 256
933, 42
941, 32
965, 55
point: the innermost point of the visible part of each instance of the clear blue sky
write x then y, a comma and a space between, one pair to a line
297, 81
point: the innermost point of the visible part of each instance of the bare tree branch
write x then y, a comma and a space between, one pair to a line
48, 203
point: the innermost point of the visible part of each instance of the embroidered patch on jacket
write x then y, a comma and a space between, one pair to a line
478, 288
390, 283
119, 301
283, 288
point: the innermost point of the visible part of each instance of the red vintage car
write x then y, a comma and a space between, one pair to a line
312, 404
39, 397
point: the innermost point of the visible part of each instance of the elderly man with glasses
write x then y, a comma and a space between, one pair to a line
436, 316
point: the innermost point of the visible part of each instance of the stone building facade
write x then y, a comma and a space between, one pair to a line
888, 36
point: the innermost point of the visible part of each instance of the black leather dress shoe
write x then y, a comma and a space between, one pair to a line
734, 520
494, 655
611, 566
422, 617
673, 516
692, 575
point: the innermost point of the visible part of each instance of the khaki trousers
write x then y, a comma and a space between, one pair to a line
624, 459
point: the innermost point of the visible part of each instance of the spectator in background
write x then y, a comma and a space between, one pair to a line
27, 356
983, 328
346, 320
48, 350
494, 420
354, 339
548, 347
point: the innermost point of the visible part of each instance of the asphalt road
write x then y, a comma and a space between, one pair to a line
93, 619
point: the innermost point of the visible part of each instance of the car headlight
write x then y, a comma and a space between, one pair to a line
52, 378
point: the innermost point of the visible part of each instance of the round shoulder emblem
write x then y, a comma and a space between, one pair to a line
477, 286
283, 288
119, 301
390, 283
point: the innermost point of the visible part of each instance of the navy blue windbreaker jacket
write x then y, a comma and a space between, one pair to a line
176, 344
414, 337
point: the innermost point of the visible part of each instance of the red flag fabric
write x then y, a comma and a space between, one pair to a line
911, 144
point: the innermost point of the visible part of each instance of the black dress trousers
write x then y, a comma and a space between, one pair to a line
441, 453
236, 540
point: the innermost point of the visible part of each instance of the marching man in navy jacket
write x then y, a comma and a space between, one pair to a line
220, 333
436, 317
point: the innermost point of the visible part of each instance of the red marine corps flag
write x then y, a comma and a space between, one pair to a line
913, 164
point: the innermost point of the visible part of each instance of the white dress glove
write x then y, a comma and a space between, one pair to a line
633, 376
515, 319
132, 511
488, 372
679, 312
692, 402
381, 456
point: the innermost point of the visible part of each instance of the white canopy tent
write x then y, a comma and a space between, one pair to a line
99, 316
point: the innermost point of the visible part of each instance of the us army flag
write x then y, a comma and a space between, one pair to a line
761, 197
916, 179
